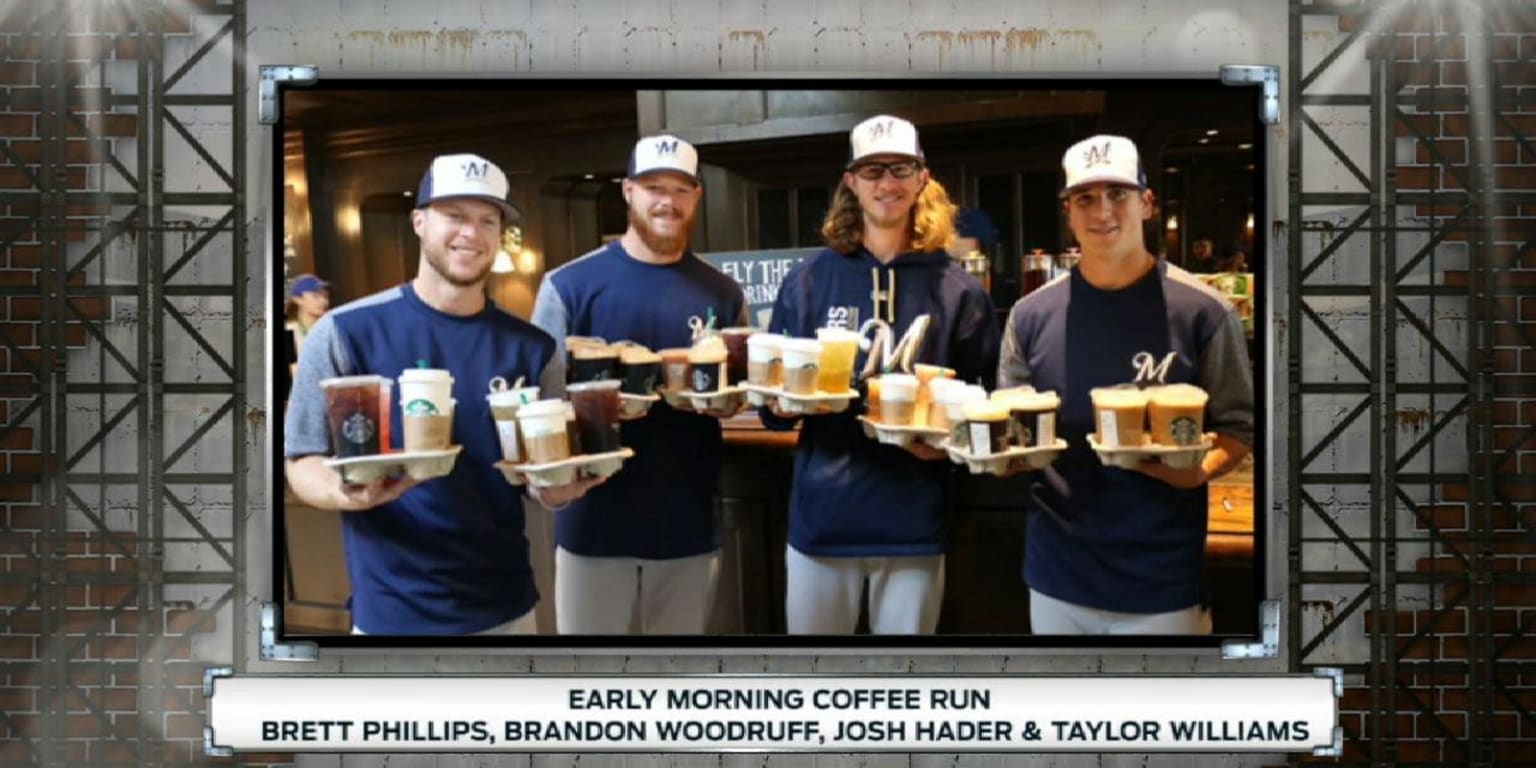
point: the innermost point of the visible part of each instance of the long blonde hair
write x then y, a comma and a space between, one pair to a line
931, 227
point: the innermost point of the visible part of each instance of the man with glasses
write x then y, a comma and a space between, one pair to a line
861, 511
1108, 550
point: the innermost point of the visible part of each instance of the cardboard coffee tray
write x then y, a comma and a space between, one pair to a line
729, 400
419, 465
903, 434
1175, 456
588, 466
1038, 457
635, 406
816, 404
678, 399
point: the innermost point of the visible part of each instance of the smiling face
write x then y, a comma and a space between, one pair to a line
661, 210
459, 238
885, 199
1107, 218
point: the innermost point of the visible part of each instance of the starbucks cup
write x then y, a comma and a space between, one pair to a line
504, 407
425, 391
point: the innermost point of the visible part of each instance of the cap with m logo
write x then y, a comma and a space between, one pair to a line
883, 135
1103, 159
466, 176
664, 153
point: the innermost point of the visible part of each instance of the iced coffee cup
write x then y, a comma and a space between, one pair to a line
939, 391
736, 352
353, 414
640, 369
1119, 416
898, 398
955, 400
1032, 417
597, 414
1177, 414
707, 358
504, 405
541, 424
675, 370
839, 348
802, 362
926, 375
593, 362
765, 363
987, 423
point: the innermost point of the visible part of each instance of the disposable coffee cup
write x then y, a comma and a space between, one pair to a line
802, 362
504, 407
597, 414
541, 425
707, 359
898, 398
1177, 414
639, 369
425, 391
926, 375
1032, 417
955, 401
354, 411
839, 350
987, 423
1119, 416
765, 359
592, 362
675, 370
736, 354
427, 431
940, 390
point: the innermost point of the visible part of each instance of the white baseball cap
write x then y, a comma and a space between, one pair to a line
1103, 159
466, 176
883, 135
664, 153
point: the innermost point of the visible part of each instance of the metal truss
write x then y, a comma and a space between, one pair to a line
1399, 288
142, 419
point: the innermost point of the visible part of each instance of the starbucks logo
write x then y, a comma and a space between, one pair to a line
420, 407
701, 380
357, 428
1185, 431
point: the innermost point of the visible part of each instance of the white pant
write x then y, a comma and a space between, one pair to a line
1049, 616
822, 593
526, 624
598, 595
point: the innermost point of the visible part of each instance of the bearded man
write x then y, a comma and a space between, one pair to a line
642, 547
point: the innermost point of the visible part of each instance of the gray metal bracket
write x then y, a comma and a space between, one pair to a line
1268, 646
267, 111
209, 675
1335, 749
1269, 75
271, 650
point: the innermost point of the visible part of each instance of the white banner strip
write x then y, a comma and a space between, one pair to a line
773, 713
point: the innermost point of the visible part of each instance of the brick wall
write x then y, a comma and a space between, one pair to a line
1432, 55
105, 637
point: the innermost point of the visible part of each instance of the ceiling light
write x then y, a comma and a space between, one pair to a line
1211, 132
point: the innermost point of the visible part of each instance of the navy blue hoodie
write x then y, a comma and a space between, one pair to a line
852, 496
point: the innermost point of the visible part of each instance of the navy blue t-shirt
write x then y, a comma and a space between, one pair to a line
660, 505
853, 496
1112, 538
449, 556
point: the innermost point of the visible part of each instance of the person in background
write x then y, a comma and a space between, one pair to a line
308, 299
861, 511
446, 555
1110, 550
1232, 258
647, 536
1202, 256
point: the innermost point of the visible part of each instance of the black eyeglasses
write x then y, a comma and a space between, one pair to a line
900, 169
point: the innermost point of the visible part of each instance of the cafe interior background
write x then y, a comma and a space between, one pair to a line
770, 160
